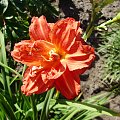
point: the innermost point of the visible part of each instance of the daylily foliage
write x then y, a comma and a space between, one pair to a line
55, 55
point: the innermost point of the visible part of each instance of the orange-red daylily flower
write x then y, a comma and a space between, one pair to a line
55, 56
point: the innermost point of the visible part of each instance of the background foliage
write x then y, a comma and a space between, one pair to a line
110, 49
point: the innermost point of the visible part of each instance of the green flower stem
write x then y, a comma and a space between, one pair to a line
103, 25
91, 25
34, 108
116, 18
12, 70
24, 68
86, 36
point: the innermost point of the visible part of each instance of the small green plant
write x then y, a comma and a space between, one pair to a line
110, 49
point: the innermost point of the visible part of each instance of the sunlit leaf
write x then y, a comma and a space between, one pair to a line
3, 6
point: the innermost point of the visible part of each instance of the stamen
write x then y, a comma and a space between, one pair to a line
53, 55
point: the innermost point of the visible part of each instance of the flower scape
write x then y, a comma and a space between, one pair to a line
55, 55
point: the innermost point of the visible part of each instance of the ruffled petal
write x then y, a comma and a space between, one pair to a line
56, 70
38, 80
34, 82
64, 33
32, 53
68, 84
51, 25
81, 59
39, 29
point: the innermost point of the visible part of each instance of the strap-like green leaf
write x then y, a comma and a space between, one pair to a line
81, 106
45, 109
3, 60
5, 106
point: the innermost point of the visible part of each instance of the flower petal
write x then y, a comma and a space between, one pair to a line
81, 59
64, 33
39, 29
32, 53
68, 84
56, 70
51, 25
33, 82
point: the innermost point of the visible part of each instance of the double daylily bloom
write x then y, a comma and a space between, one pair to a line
55, 56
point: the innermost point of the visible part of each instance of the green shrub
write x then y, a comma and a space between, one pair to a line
110, 49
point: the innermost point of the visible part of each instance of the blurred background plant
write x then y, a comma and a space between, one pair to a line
15, 18
110, 50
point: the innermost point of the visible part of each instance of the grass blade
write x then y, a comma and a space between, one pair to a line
3, 59
5, 106
10, 69
34, 108
85, 106
45, 110
70, 114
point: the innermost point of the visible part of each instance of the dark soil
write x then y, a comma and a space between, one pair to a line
91, 80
